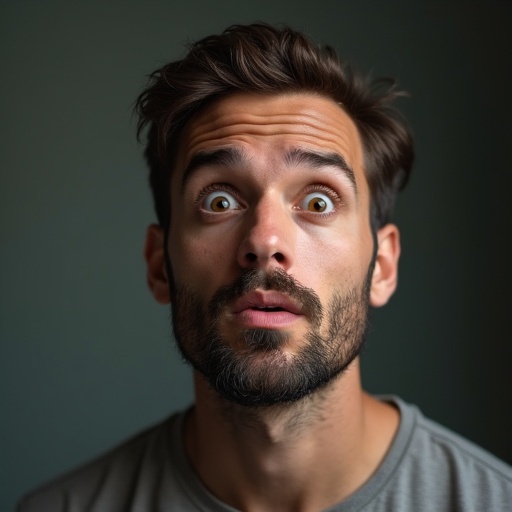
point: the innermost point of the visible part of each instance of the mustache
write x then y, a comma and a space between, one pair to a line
277, 280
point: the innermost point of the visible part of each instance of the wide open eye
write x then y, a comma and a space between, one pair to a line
220, 201
317, 202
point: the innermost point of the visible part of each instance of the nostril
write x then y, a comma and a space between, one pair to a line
279, 257
251, 257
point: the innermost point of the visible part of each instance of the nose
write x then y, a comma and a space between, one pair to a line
268, 239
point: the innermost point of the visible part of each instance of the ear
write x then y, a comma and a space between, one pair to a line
385, 273
154, 254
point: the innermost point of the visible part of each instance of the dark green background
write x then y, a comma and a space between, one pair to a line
85, 356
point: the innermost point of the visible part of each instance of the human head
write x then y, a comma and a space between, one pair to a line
259, 58
269, 215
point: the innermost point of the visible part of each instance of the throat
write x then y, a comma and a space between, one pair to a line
277, 424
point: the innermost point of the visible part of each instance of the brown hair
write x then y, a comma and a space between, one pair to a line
264, 59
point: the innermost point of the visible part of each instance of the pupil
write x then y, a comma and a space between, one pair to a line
318, 205
221, 204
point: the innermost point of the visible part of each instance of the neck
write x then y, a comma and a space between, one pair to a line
302, 456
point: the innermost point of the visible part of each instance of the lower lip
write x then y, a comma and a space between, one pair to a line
258, 319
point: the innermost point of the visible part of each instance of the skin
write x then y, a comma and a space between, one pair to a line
313, 453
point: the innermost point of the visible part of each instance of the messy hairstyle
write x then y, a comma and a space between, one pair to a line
260, 58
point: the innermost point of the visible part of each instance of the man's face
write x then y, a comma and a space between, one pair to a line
269, 246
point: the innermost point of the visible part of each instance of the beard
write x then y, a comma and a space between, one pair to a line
259, 372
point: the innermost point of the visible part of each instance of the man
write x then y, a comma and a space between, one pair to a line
274, 170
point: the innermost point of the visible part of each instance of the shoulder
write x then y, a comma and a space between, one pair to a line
446, 470
443, 446
109, 479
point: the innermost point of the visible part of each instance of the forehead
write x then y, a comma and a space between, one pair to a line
270, 125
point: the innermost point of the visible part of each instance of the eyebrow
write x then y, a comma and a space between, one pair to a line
222, 157
236, 157
320, 159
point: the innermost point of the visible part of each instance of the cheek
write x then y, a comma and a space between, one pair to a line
198, 260
342, 258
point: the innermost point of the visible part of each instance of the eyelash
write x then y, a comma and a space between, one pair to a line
328, 191
317, 187
216, 186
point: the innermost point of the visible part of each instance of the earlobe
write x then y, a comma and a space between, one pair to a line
385, 274
154, 254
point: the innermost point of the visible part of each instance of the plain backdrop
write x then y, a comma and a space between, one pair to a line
86, 355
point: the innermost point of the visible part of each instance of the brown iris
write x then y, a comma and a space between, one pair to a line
220, 204
317, 204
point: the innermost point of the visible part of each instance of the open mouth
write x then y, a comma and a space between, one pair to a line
267, 301
267, 309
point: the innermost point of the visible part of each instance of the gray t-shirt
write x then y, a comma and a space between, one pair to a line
427, 468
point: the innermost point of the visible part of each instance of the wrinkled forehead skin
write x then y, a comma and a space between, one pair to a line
273, 123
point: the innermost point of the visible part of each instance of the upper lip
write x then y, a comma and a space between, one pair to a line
267, 299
